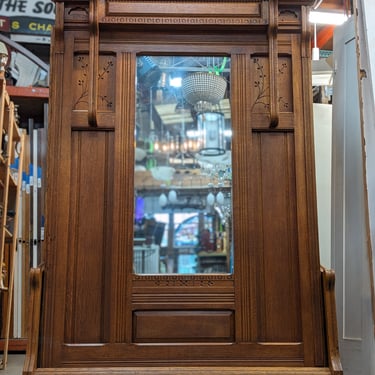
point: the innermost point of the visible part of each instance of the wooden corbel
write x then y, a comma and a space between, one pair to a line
328, 283
93, 63
273, 62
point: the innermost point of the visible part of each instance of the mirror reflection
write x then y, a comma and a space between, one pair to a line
183, 171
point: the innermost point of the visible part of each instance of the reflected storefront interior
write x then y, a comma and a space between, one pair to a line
183, 171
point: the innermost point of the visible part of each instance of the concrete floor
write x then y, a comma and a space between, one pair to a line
15, 365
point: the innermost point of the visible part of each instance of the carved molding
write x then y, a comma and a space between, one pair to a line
289, 16
76, 13
186, 12
183, 280
182, 20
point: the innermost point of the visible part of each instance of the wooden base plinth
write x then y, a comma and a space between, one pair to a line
187, 371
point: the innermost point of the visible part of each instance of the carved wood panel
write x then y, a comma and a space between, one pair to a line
106, 100
260, 82
106, 76
89, 250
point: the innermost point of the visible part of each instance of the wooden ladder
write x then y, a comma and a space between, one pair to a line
11, 164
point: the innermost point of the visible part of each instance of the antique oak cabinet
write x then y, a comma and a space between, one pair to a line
256, 300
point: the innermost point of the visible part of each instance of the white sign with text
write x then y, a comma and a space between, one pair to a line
28, 8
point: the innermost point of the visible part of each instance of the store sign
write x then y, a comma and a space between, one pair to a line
4, 24
29, 8
27, 16
26, 25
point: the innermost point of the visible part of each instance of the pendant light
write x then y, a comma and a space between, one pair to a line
211, 133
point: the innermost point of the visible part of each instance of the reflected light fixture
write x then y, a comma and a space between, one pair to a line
327, 18
163, 200
175, 82
220, 198
211, 133
172, 196
203, 90
210, 199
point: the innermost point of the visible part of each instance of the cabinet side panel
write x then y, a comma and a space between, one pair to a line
90, 242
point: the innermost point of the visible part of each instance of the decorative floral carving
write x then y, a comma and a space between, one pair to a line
262, 88
282, 69
84, 84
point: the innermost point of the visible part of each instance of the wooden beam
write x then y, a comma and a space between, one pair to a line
28, 92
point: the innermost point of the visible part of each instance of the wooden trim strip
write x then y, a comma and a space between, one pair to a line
179, 8
189, 371
273, 63
30, 364
93, 63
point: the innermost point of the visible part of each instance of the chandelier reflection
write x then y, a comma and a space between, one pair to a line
178, 146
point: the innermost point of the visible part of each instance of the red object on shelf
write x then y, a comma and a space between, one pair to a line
35, 92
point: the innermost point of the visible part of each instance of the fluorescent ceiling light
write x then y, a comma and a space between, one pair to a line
327, 18
175, 82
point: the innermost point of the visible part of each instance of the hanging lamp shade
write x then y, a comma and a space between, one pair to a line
203, 87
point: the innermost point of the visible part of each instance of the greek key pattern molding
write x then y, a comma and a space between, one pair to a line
184, 280
183, 20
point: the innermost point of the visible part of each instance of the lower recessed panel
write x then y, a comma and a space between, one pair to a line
183, 326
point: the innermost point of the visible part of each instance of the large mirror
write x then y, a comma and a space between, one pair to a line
183, 172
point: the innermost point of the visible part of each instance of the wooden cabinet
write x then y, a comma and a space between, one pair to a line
96, 314
11, 162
